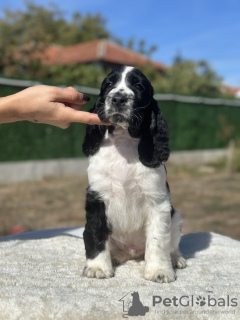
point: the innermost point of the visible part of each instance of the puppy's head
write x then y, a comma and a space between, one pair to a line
126, 100
125, 95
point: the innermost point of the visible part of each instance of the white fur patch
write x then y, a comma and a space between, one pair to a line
121, 86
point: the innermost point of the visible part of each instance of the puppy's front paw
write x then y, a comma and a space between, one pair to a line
97, 272
160, 275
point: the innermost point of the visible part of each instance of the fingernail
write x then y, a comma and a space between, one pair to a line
86, 98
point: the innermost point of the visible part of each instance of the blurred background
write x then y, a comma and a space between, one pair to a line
190, 52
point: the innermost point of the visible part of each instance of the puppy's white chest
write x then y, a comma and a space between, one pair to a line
113, 168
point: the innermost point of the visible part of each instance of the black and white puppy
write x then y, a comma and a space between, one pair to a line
128, 209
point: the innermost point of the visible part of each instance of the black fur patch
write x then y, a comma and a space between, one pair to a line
172, 211
96, 230
153, 147
93, 138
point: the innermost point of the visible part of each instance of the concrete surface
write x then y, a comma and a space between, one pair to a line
38, 169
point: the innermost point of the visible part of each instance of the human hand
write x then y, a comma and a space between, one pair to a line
50, 105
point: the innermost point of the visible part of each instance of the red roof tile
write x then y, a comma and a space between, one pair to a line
232, 91
98, 50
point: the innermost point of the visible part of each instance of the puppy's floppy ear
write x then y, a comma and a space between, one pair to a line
153, 147
94, 136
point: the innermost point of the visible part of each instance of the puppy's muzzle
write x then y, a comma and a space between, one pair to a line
119, 102
120, 109
118, 118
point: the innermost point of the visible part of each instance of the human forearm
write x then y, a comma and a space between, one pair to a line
8, 112
49, 105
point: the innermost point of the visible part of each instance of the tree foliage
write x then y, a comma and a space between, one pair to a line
186, 77
140, 46
88, 75
24, 32
31, 30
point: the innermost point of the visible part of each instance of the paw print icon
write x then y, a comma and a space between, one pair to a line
201, 301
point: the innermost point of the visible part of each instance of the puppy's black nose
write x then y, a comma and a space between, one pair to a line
119, 101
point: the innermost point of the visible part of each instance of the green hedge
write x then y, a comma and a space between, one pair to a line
200, 126
191, 126
27, 140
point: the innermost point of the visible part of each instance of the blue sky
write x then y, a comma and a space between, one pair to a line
198, 29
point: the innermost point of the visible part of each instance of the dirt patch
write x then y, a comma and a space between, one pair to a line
50, 203
208, 202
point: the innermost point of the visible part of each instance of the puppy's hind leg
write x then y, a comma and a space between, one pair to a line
96, 239
177, 260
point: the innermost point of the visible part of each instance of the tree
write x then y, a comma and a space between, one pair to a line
31, 30
139, 47
186, 77
25, 32
194, 78
81, 74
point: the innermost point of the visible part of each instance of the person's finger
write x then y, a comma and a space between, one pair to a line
57, 123
74, 106
71, 95
71, 115
94, 119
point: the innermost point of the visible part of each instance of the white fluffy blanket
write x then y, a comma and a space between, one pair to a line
40, 278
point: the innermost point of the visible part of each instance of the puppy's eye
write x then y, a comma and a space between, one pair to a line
109, 84
139, 86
